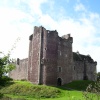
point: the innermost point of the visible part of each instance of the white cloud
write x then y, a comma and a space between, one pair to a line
16, 23
35, 6
79, 7
11, 28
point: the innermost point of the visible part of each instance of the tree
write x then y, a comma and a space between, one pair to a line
6, 64
98, 76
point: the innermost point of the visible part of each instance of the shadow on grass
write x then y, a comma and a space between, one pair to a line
64, 88
6, 84
8, 98
80, 85
2, 97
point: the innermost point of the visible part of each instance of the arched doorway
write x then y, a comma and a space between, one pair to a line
59, 82
85, 77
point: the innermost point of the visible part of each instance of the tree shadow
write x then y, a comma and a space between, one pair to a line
63, 87
8, 98
1, 95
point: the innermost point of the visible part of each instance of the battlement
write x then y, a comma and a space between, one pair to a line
53, 33
31, 37
67, 36
19, 61
37, 29
41, 29
80, 57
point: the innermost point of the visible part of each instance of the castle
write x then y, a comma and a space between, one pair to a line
51, 60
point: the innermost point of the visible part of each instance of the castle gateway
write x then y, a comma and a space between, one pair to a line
51, 60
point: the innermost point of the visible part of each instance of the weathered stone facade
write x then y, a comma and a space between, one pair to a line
51, 60
84, 67
21, 70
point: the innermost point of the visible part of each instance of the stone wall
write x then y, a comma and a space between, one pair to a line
50, 57
84, 67
20, 72
65, 59
91, 71
34, 56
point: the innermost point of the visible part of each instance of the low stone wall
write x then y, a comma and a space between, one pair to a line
20, 72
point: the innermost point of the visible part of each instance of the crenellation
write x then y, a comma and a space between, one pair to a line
18, 61
31, 37
67, 36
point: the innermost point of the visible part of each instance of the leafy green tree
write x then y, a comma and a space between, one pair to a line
6, 64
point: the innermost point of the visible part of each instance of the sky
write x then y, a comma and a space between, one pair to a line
80, 18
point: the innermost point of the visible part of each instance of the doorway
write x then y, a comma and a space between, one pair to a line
85, 77
59, 82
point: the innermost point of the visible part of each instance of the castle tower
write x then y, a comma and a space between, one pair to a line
47, 54
42, 54
65, 60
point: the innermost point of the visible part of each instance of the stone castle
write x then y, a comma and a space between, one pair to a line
51, 60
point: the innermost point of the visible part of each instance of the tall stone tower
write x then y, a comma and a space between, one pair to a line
50, 57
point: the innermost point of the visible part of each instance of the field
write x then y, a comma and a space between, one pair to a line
24, 90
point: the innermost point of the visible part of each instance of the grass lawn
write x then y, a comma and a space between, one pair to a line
28, 91
67, 95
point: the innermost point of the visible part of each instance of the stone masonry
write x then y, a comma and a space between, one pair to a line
51, 60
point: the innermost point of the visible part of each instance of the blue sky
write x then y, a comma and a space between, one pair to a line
81, 18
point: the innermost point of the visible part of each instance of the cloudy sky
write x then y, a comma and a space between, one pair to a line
81, 18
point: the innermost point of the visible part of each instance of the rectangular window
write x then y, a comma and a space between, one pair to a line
59, 69
74, 67
60, 53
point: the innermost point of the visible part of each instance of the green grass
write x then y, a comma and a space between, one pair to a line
28, 91
67, 95
78, 85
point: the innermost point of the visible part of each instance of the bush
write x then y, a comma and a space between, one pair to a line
4, 80
1, 95
23, 80
92, 92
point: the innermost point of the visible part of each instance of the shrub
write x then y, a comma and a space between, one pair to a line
1, 96
92, 92
23, 80
4, 80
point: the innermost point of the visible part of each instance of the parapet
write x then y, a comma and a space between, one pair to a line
21, 60
41, 29
80, 57
67, 36
52, 33
18, 61
30, 37
38, 29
